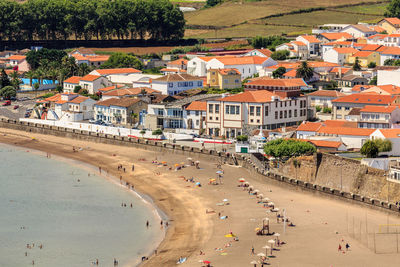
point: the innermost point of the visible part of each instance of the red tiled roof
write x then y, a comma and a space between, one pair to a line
391, 50
327, 93
90, 78
73, 79
259, 96
378, 109
109, 88
117, 71
371, 47
16, 57
130, 91
324, 143
226, 71
79, 99
277, 82
345, 50
180, 61
309, 126
390, 133
291, 73
393, 21
298, 43
366, 99
242, 60
343, 70
54, 98
363, 54
197, 105
310, 38
336, 35
119, 102
338, 123
345, 131
265, 52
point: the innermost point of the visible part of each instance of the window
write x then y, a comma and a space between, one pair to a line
252, 111
232, 110
258, 111
236, 81
210, 108
285, 114
216, 108
210, 118
280, 114
295, 113
197, 113
276, 104
276, 115
227, 109
338, 116
347, 108
197, 122
216, 118
237, 110
290, 113
190, 83
258, 121
170, 85
200, 84
226, 81
251, 120
266, 110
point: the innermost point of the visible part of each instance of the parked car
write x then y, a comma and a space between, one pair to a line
7, 103
16, 106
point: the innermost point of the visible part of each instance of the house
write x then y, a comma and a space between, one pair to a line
327, 37
69, 107
71, 83
90, 60
295, 48
359, 30
336, 73
365, 58
351, 80
173, 84
353, 138
259, 52
323, 98
167, 71
198, 66
388, 89
391, 25
378, 39
313, 44
247, 66
343, 105
265, 83
329, 146
179, 64
389, 53
92, 83
241, 113
129, 92
82, 51
339, 55
224, 78
196, 116
268, 71
379, 117
19, 63
393, 135
120, 111
391, 76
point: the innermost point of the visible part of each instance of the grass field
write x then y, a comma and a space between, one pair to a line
246, 19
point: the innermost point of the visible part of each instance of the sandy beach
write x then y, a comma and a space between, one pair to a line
321, 223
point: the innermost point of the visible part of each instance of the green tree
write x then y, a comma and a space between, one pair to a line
286, 148
267, 42
280, 55
157, 132
34, 58
384, 145
372, 65
30, 75
77, 89
356, 65
36, 88
393, 9
370, 149
242, 138
304, 71
121, 60
83, 69
278, 73
15, 81
8, 91
318, 108
211, 3
374, 81
4, 80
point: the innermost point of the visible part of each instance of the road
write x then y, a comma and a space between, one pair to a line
10, 113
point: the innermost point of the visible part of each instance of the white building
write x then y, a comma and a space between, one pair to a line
359, 31
390, 134
118, 71
232, 115
338, 55
389, 77
313, 44
196, 116
389, 53
173, 84
379, 117
71, 83
93, 83
72, 107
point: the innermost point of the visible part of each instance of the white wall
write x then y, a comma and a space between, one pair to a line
389, 77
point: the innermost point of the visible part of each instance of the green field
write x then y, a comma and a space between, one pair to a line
247, 19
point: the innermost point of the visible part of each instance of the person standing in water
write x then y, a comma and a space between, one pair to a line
147, 224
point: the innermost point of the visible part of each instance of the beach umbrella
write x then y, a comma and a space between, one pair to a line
182, 163
189, 158
266, 247
197, 161
275, 209
198, 183
260, 195
225, 200
261, 254
257, 229
177, 165
207, 262
242, 180
265, 199
219, 172
277, 234
254, 262
271, 241
266, 219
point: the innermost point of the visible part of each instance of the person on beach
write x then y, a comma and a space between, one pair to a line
33, 262
147, 224
161, 223
131, 205
339, 248
124, 170
252, 250
347, 246
133, 167
99, 169
115, 262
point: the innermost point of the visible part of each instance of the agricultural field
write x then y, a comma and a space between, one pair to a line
247, 19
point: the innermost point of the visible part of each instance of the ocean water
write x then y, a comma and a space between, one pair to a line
42, 202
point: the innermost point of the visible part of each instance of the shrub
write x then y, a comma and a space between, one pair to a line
157, 132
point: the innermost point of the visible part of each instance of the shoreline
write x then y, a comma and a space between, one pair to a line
23, 139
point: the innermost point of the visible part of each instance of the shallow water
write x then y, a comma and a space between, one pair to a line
42, 202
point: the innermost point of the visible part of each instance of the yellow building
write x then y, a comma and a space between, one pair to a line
365, 57
391, 25
224, 78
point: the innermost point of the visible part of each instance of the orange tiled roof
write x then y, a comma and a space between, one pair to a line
378, 109
336, 35
357, 88
265, 52
371, 47
309, 126
119, 102
16, 57
345, 131
259, 96
378, 35
180, 61
327, 93
286, 65
345, 50
197, 105
278, 82
343, 70
291, 73
390, 133
90, 78
310, 38
298, 43
324, 143
366, 99
320, 64
377, 28
79, 99
130, 91
393, 21
109, 88
363, 53
117, 71
54, 98
391, 50
226, 71
73, 79
337, 123
242, 60
61, 102
98, 58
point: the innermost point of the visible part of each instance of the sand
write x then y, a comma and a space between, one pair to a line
322, 223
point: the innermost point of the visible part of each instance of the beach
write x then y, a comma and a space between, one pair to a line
194, 212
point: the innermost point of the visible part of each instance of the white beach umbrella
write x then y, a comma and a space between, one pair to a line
277, 234
275, 209
271, 241
266, 219
265, 199
260, 195
254, 262
225, 200
261, 254
266, 247
271, 204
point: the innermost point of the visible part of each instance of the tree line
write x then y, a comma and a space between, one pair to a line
88, 19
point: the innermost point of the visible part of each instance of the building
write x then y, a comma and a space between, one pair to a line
365, 58
129, 92
295, 48
120, 111
18, 62
224, 78
92, 83
259, 52
379, 117
118, 71
91, 60
329, 146
327, 37
339, 55
313, 44
351, 80
71, 83
343, 105
179, 64
196, 116
391, 25
323, 98
359, 31
234, 115
173, 84
389, 53
265, 83
389, 77
389, 134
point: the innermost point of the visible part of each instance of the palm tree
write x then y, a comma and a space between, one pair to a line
15, 81
40, 75
30, 75
83, 69
304, 71
134, 117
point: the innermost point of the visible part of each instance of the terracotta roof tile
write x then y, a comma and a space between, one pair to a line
309, 126
120, 102
277, 82
109, 88
130, 91
197, 105
324, 143
393, 21
366, 99
177, 77
227, 71
259, 96
337, 35
363, 54
390, 133
345, 131
79, 99
249, 60
310, 38
16, 57
73, 79
391, 50
327, 93
90, 78
378, 109
117, 71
